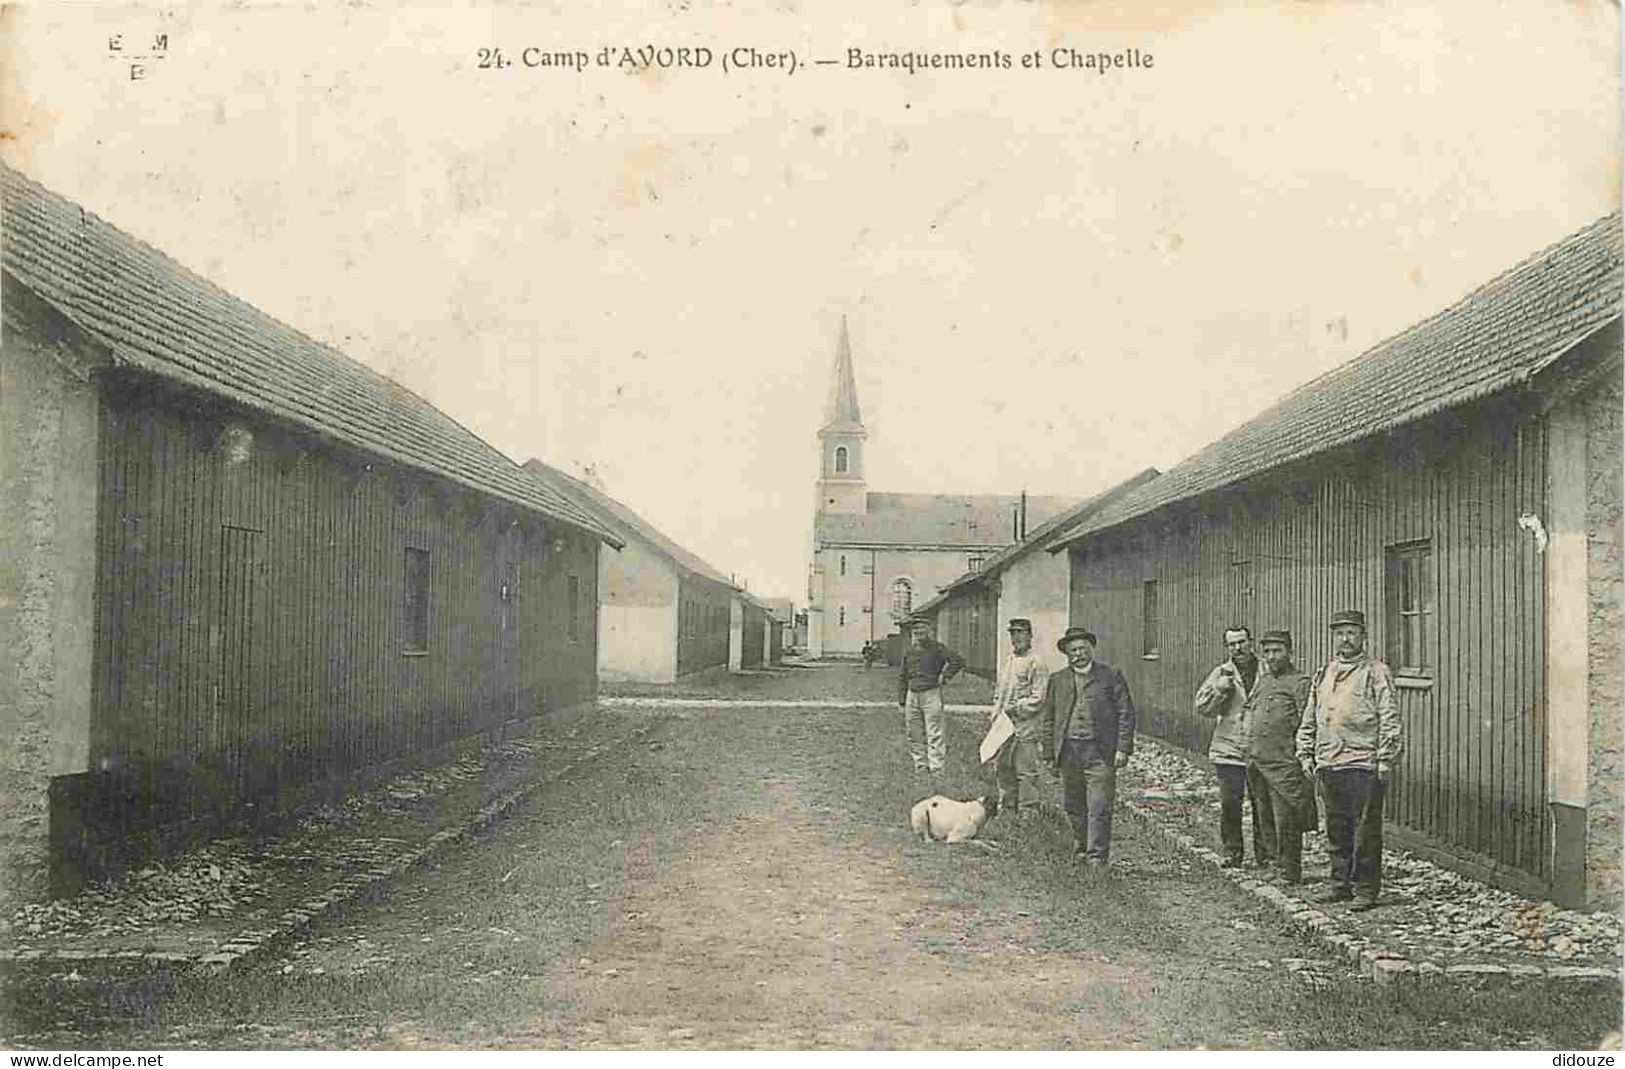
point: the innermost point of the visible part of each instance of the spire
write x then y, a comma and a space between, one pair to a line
842, 408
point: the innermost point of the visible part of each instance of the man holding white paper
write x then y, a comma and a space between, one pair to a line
1017, 699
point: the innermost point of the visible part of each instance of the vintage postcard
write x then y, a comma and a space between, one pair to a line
904, 524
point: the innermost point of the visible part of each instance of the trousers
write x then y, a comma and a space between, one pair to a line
1235, 783
1015, 774
1292, 804
1088, 791
922, 724
1354, 798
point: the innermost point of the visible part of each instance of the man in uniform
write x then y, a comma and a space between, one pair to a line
1019, 695
1351, 735
1270, 720
1087, 734
1221, 698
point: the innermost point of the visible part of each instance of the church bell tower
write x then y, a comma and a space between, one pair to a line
841, 488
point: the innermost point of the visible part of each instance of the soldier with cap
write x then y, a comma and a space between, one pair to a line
1351, 735
1270, 720
927, 666
1087, 734
1019, 695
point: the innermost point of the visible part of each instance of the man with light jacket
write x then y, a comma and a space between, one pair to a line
1351, 736
1019, 695
1222, 698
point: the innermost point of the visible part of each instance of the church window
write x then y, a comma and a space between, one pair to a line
902, 598
840, 460
843, 563
842, 615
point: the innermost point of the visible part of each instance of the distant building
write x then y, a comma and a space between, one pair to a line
1460, 483
1030, 580
243, 568
783, 613
663, 612
877, 556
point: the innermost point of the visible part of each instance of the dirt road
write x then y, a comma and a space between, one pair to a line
745, 878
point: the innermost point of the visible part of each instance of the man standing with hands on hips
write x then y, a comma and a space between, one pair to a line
1087, 735
1351, 735
927, 666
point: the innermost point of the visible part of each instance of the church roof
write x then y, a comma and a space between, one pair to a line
841, 410
937, 520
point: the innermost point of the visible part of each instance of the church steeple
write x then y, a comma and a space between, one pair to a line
841, 411
840, 439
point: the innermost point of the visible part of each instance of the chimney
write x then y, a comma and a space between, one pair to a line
1023, 533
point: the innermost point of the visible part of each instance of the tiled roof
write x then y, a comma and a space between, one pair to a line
622, 520
1497, 337
936, 520
1040, 536
158, 317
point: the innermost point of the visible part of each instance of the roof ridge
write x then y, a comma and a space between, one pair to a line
225, 344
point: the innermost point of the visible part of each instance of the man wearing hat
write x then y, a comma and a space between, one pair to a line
927, 666
1351, 736
1087, 734
1222, 698
1019, 695
1270, 722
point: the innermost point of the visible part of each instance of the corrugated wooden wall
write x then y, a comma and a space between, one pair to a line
702, 625
968, 623
751, 641
1291, 550
251, 630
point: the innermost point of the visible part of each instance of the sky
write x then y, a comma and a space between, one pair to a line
1053, 277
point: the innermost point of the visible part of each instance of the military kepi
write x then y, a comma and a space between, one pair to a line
1019, 623
1282, 636
1348, 616
1073, 634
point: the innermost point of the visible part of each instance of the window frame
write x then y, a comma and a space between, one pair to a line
416, 607
1424, 611
1150, 621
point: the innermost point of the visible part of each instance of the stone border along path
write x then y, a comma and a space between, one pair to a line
330, 904
765, 703
1383, 965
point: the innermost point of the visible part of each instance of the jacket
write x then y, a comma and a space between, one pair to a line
1273, 713
926, 667
1110, 706
1369, 736
1020, 692
1225, 705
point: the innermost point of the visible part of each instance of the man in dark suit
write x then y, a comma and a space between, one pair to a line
1087, 735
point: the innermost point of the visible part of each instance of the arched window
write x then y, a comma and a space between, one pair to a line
902, 598
843, 615
840, 460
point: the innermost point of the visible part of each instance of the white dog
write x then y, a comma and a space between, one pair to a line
942, 819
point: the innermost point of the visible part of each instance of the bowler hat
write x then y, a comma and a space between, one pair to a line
1280, 635
1019, 623
1075, 633
1349, 617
